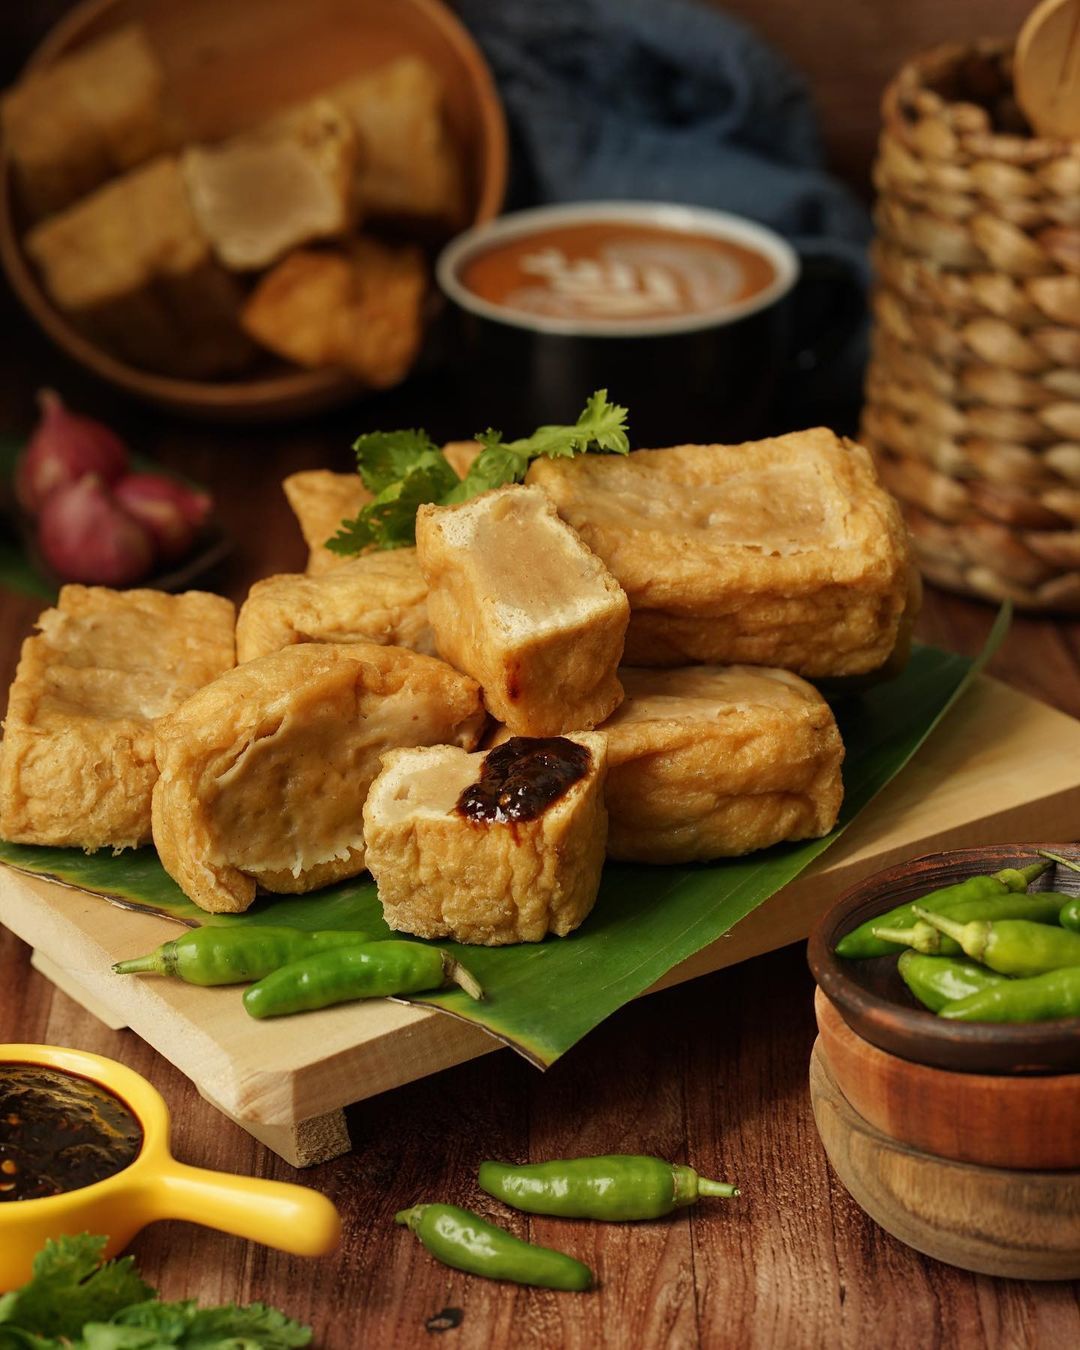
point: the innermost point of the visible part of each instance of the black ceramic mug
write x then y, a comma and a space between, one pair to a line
681, 313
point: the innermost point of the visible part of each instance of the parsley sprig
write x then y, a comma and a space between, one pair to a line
404, 469
74, 1302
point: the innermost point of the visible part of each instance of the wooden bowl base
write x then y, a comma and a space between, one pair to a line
994, 1221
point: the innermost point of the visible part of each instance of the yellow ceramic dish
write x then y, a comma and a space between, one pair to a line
154, 1186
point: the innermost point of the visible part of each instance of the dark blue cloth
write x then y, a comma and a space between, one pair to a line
667, 100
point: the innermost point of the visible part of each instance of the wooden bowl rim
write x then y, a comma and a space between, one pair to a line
913, 1026
264, 393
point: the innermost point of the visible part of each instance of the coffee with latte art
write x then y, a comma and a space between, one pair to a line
617, 272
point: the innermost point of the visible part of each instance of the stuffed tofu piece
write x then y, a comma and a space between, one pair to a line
491, 848
77, 762
287, 183
379, 597
320, 501
784, 552
711, 762
265, 771
518, 602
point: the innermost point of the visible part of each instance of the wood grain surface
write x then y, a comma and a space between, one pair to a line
714, 1072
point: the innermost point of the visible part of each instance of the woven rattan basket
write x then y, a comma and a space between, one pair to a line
973, 390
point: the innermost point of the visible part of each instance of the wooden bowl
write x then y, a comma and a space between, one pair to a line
230, 65
874, 1001
1023, 1122
993, 1220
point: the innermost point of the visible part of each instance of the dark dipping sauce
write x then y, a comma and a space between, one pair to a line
59, 1132
522, 777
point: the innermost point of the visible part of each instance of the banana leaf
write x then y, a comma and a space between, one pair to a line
542, 998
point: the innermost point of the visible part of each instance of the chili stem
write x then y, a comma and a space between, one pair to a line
1065, 862
139, 965
456, 973
957, 931
707, 1187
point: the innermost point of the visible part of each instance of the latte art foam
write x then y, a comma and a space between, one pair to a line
617, 272
628, 280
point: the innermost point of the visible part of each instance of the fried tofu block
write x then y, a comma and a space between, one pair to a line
264, 772
517, 601
380, 597
784, 552
460, 455
320, 501
714, 761
259, 195
443, 874
131, 266
77, 761
411, 169
92, 114
360, 311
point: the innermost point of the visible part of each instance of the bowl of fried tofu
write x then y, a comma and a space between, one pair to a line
230, 210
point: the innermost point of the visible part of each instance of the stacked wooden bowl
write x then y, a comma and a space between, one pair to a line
962, 1139
973, 391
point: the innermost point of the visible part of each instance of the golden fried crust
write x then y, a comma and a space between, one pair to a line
361, 312
784, 552
412, 168
443, 876
77, 763
710, 762
320, 501
264, 772
380, 597
517, 601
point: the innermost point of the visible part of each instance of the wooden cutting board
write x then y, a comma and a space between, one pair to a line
1001, 768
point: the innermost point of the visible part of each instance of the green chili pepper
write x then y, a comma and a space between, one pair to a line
861, 942
211, 956
937, 980
616, 1186
1011, 946
464, 1240
1070, 914
1039, 999
1042, 907
368, 970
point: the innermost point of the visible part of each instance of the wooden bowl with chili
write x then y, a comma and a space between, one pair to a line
873, 1000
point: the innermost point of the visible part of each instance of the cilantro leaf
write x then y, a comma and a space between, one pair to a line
405, 469
70, 1287
382, 457
156, 1325
73, 1302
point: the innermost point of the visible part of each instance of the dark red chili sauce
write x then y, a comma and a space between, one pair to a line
59, 1132
522, 777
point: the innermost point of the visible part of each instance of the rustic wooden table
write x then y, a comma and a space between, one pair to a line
715, 1071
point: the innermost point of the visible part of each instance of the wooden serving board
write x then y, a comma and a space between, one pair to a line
1001, 768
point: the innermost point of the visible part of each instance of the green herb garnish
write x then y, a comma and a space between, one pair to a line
405, 469
74, 1302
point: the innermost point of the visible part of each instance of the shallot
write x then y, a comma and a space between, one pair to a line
85, 535
64, 448
172, 512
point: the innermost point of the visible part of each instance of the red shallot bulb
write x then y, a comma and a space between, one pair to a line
84, 535
64, 448
172, 512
